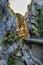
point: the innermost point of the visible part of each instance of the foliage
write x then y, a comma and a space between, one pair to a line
9, 38
36, 31
10, 61
40, 21
15, 61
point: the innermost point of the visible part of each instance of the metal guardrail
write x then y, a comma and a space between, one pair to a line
36, 40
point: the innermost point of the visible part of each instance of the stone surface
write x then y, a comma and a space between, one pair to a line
37, 52
2, 62
7, 23
31, 17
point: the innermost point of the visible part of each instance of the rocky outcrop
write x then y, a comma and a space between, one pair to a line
36, 50
31, 17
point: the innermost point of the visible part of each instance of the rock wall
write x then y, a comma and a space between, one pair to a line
31, 17
37, 53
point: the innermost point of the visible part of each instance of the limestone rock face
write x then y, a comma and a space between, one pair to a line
38, 1
31, 17
7, 19
3, 2
2, 62
7, 23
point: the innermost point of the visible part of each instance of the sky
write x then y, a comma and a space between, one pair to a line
19, 6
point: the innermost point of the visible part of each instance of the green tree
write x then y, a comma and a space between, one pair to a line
40, 21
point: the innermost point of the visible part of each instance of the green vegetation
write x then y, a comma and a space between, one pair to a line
36, 31
40, 21
15, 61
9, 38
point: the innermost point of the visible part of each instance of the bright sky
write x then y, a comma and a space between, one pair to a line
19, 6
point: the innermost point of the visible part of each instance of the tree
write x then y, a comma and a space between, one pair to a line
40, 21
